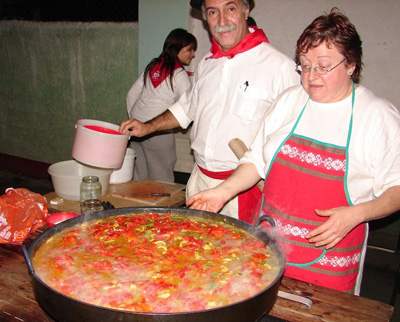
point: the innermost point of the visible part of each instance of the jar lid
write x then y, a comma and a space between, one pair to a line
90, 179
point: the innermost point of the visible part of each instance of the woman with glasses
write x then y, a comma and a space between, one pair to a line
329, 151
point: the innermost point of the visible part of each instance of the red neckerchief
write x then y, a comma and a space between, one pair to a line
250, 41
157, 76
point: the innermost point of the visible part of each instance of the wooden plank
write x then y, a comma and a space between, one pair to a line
344, 300
17, 301
320, 311
329, 305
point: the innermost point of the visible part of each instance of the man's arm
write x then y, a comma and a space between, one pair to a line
164, 121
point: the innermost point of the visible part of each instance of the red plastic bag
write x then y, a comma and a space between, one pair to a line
21, 213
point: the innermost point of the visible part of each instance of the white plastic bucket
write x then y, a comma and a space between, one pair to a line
99, 144
125, 173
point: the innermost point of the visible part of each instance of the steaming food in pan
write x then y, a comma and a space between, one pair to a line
157, 263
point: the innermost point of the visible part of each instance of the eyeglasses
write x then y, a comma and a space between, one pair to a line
318, 69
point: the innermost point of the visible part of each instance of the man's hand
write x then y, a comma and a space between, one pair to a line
135, 128
163, 122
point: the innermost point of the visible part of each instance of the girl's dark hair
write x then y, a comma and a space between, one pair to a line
175, 41
335, 29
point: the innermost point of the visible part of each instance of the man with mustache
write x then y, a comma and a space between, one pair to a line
233, 87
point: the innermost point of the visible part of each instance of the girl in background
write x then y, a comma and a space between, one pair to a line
161, 84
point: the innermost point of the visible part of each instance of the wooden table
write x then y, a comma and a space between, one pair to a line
17, 302
175, 200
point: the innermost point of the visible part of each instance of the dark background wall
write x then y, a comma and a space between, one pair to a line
55, 73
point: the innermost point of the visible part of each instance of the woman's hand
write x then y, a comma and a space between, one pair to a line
207, 200
341, 221
243, 178
135, 128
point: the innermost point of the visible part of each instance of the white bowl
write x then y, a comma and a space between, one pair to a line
67, 177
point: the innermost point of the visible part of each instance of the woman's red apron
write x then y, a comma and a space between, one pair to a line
306, 175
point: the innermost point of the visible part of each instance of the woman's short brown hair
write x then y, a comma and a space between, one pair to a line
335, 29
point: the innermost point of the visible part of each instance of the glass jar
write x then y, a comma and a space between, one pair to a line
90, 188
91, 205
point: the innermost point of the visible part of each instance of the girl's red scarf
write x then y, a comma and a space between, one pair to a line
158, 75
